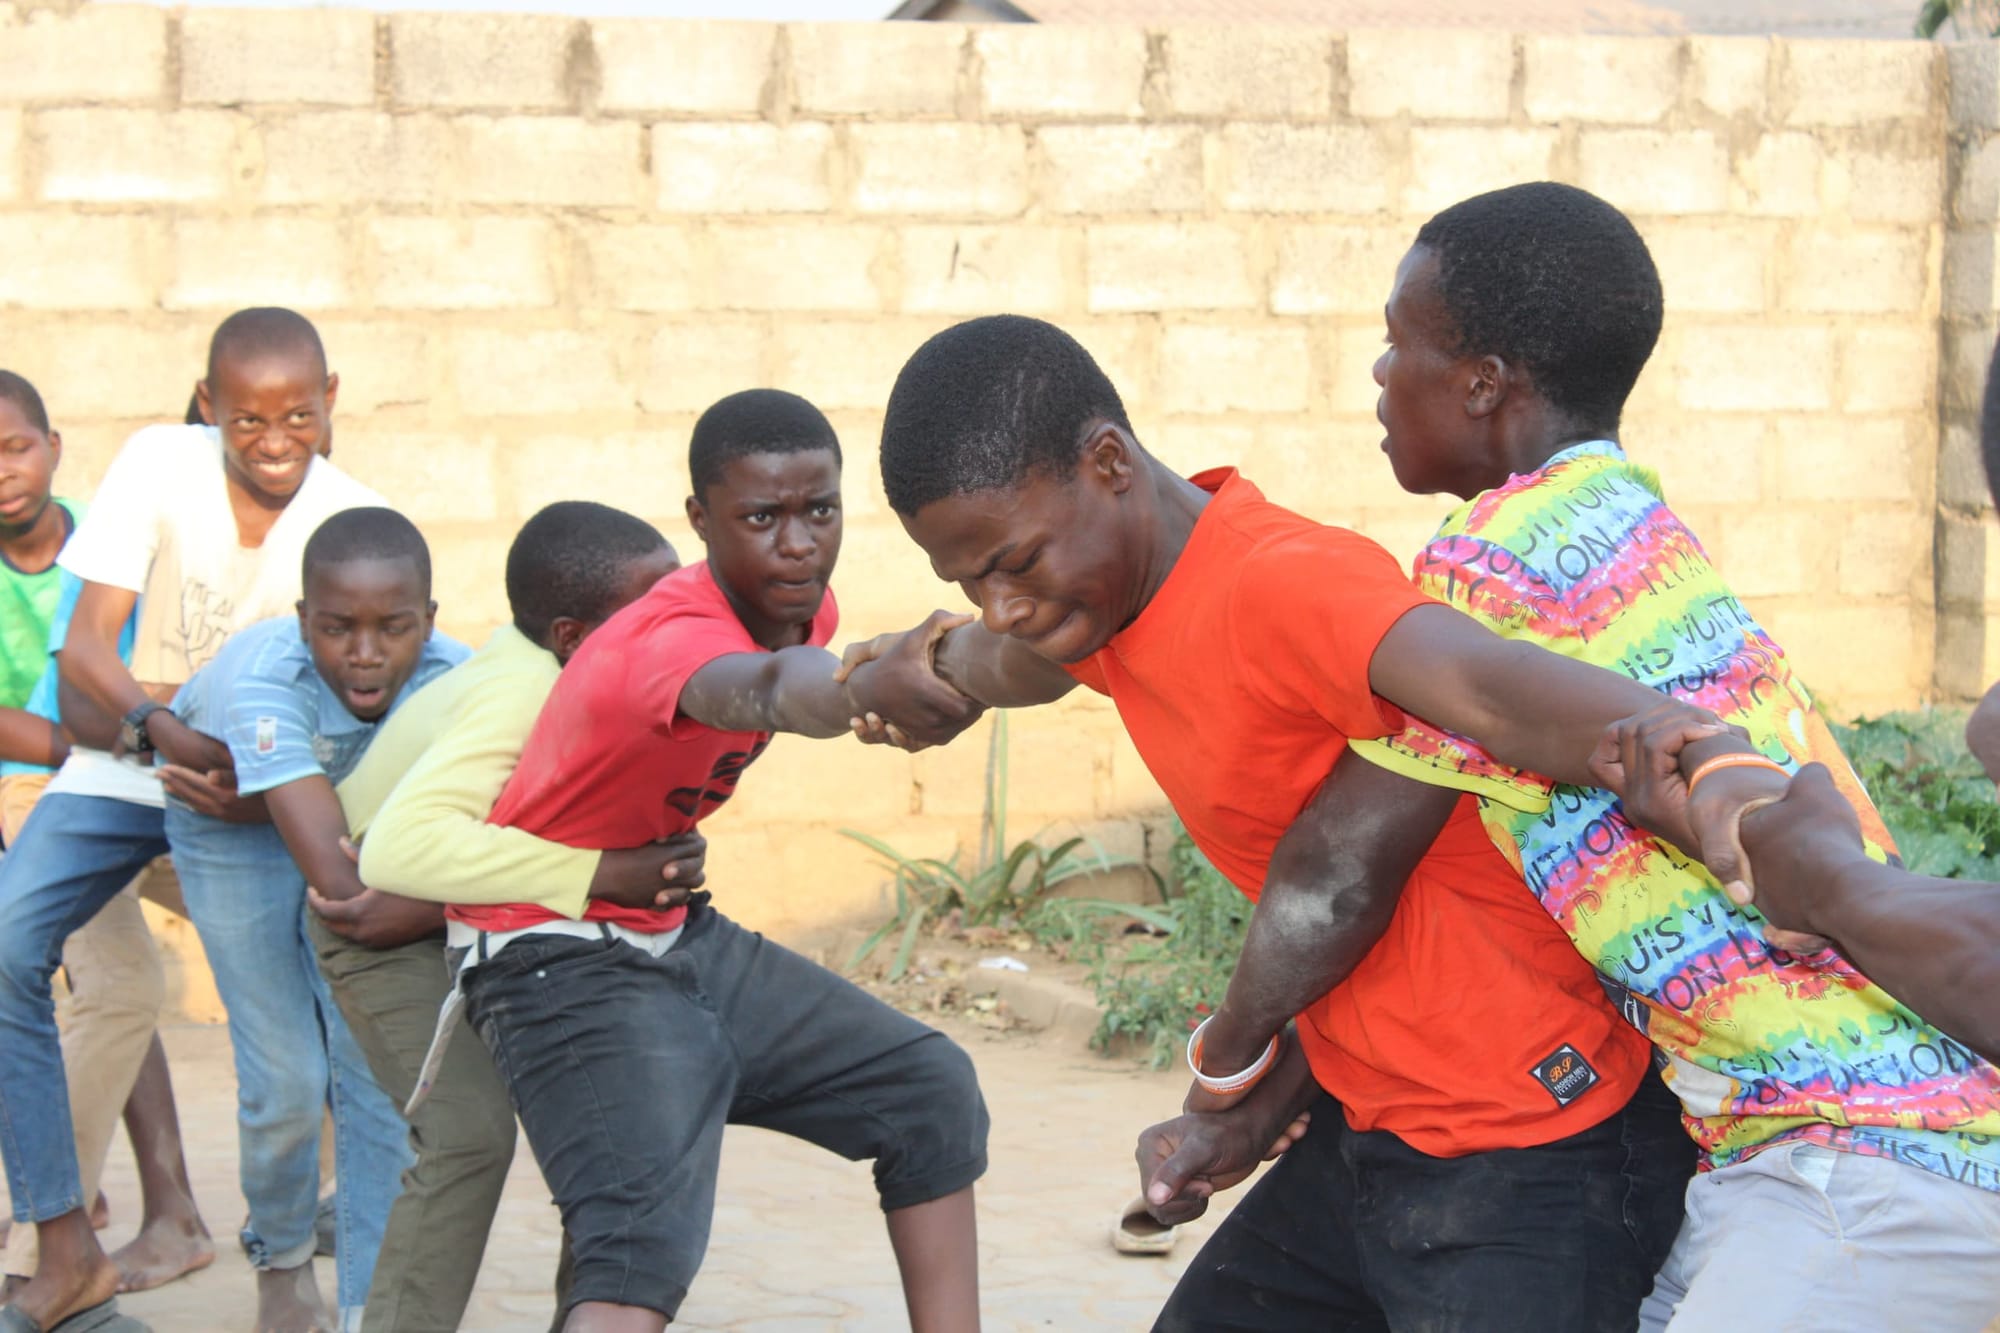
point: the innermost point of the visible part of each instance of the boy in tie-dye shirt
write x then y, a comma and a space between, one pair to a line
1851, 1150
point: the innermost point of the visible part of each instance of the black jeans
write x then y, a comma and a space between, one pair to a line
1361, 1233
624, 1068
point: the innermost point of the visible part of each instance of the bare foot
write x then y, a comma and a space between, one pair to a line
288, 1301
166, 1249
52, 1296
100, 1213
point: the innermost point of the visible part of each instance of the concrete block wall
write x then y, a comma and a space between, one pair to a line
538, 247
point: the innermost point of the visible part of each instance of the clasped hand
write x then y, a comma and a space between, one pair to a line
1639, 758
903, 701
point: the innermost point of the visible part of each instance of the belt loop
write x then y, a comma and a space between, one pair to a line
604, 932
482, 946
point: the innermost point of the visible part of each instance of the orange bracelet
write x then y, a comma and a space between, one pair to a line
1734, 761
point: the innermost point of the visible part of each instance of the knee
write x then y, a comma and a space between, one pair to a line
26, 964
135, 989
943, 1083
465, 1139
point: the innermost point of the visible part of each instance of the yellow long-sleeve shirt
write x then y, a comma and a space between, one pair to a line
418, 802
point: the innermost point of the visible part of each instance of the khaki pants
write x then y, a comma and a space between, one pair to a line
462, 1134
117, 989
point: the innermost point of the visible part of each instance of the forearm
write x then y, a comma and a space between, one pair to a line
308, 817
93, 668
1527, 707
1934, 944
1280, 1095
437, 853
791, 690
26, 738
1333, 884
998, 671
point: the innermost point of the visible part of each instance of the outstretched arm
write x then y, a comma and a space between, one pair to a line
810, 692
994, 670
1537, 710
1524, 705
1333, 884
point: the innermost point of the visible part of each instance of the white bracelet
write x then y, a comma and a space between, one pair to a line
1233, 1082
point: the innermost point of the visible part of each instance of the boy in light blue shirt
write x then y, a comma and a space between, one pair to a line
297, 701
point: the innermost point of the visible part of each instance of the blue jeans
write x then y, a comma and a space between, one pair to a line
73, 856
294, 1054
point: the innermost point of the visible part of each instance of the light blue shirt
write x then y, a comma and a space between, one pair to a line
262, 696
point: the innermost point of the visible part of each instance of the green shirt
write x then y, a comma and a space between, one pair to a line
27, 605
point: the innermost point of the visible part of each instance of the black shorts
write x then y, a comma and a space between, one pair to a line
624, 1068
1361, 1233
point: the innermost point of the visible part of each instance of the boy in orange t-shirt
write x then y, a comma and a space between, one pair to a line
1481, 1126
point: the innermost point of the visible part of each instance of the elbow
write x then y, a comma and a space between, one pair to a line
1343, 902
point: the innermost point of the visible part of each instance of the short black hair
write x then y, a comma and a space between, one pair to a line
1557, 282
985, 403
1989, 426
754, 421
369, 533
264, 331
16, 390
570, 560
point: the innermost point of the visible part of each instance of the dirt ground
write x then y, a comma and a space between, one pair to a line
798, 1242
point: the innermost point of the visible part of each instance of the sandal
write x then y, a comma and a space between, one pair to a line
100, 1318
1137, 1231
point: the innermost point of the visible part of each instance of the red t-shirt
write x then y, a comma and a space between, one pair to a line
612, 761
1240, 684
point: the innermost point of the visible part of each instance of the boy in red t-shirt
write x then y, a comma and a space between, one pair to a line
1485, 1148
629, 1038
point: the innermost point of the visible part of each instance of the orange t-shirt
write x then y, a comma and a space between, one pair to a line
1474, 1024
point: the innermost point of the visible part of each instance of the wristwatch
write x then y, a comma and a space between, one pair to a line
132, 737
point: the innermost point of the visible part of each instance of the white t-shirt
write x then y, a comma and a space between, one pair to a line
160, 525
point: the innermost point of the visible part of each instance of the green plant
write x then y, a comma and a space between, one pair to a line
1152, 994
1935, 798
1968, 18
1005, 885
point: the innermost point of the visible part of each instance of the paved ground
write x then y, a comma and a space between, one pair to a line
798, 1240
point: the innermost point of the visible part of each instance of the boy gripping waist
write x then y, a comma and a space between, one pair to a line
1517, 325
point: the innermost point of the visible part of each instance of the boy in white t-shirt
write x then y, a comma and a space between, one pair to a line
203, 529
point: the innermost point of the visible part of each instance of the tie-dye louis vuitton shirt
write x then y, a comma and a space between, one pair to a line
1585, 559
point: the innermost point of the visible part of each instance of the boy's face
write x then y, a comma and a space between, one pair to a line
365, 623
1432, 442
1046, 561
28, 460
772, 525
274, 413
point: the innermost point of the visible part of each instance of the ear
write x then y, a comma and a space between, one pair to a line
697, 518
332, 391
204, 402
302, 617
1492, 381
566, 634
1109, 456
430, 619
55, 450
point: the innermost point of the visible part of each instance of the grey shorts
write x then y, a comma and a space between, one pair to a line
1802, 1237
624, 1067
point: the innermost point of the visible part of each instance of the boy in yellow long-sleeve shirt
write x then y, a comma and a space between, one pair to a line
417, 805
